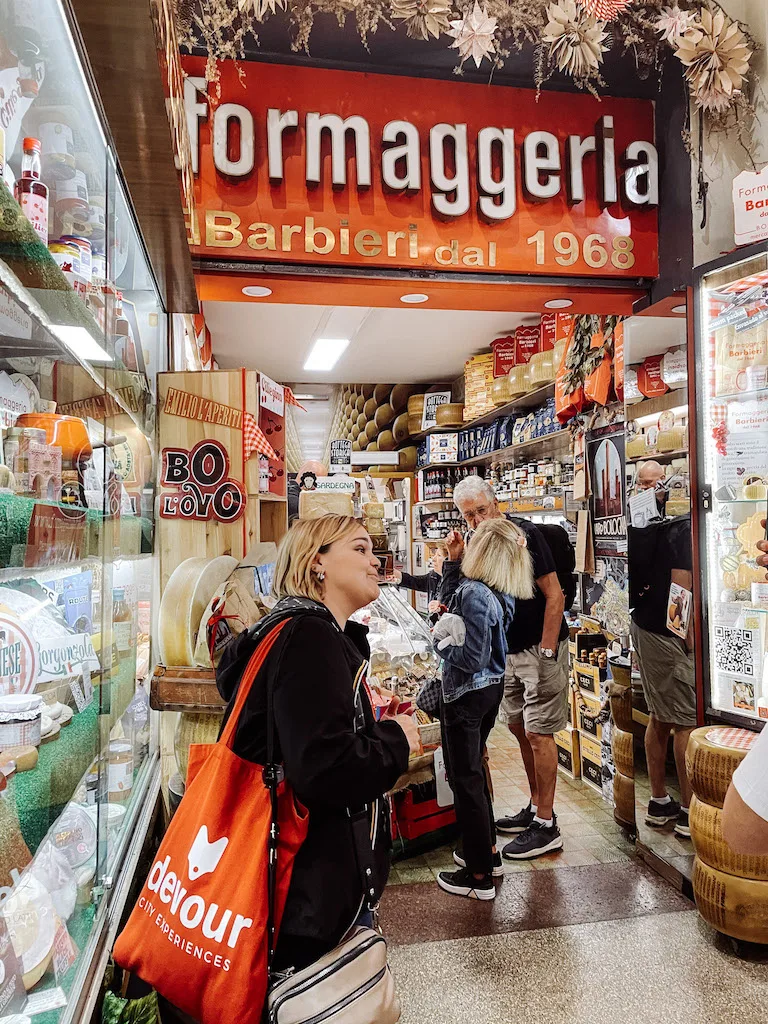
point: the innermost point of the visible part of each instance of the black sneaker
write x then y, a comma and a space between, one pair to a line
535, 841
464, 883
682, 827
660, 814
519, 822
498, 867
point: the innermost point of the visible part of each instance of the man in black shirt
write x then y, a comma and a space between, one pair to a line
660, 554
535, 704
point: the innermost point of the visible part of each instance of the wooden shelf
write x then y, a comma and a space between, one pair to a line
440, 465
527, 401
267, 496
523, 505
660, 456
433, 501
556, 439
654, 406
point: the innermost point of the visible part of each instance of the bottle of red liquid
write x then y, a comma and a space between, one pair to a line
31, 192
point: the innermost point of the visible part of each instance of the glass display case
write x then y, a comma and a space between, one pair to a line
82, 337
732, 413
402, 658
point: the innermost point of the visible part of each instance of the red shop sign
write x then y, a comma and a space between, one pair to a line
318, 166
202, 488
503, 355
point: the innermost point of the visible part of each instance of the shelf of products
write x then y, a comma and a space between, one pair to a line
661, 456
557, 441
732, 344
83, 334
527, 401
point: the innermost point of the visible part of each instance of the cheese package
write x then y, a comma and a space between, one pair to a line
741, 360
373, 510
316, 504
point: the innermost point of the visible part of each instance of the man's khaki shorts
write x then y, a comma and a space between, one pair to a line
668, 675
536, 691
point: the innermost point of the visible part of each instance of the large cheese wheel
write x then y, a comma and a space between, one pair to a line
371, 430
356, 446
398, 399
354, 432
451, 414
734, 906
712, 849
384, 415
414, 424
415, 405
370, 408
713, 755
622, 745
361, 421
373, 446
186, 596
408, 458
348, 409
381, 393
624, 799
316, 504
194, 728
620, 698
367, 390
400, 428
359, 404
386, 441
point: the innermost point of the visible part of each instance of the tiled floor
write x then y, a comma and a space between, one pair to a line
663, 842
590, 935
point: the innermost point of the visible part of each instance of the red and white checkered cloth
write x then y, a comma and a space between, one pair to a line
290, 399
736, 739
254, 439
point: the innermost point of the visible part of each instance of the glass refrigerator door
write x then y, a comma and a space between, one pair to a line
732, 320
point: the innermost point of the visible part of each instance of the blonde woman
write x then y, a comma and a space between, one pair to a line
335, 755
472, 640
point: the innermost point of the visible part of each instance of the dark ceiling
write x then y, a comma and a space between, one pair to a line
392, 52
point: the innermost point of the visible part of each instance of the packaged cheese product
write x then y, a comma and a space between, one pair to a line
315, 504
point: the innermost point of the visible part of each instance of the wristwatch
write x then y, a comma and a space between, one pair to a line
545, 652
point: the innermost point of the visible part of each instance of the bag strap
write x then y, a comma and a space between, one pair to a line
252, 670
359, 820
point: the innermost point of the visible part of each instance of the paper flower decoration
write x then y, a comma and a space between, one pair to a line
474, 35
716, 57
673, 23
605, 10
423, 18
575, 39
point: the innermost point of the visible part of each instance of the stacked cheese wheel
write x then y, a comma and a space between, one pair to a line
731, 890
374, 418
622, 746
187, 594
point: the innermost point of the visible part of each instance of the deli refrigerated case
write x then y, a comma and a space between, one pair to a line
731, 326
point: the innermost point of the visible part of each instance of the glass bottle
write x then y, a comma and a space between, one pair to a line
32, 193
122, 622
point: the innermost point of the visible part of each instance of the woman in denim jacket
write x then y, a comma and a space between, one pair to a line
472, 640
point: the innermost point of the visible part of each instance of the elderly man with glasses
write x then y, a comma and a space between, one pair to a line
535, 704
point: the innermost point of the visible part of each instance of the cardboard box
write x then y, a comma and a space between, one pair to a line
588, 677
588, 724
568, 757
591, 762
443, 448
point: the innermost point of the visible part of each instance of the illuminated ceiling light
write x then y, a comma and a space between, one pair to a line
256, 291
325, 354
81, 342
682, 308
558, 303
414, 297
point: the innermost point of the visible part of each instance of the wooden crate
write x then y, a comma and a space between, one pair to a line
186, 688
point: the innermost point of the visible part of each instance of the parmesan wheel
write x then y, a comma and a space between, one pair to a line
621, 707
414, 424
386, 441
371, 430
398, 399
316, 504
356, 446
622, 745
519, 381
713, 755
384, 416
671, 440
500, 390
637, 447
712, 849
367, 390
381, 393
450, 415
734, 906
354, 432
416, 405
359, 404
400, 428
370, 408
624, 799
194, 728
408, 458
348, 409
185, 598
373, 446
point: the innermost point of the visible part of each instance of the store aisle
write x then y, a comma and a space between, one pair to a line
585, 935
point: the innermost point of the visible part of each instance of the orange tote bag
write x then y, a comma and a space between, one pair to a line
199, 931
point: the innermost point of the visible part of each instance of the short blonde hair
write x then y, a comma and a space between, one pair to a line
298, 550
499, 557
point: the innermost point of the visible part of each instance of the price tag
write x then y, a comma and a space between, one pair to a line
82, 698
87, 685
64, 953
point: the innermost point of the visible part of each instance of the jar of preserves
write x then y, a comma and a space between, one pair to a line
58, 150
72, 199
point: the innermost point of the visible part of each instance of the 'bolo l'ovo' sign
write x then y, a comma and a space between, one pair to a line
202, 488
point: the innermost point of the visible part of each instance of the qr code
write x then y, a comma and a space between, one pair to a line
735, 651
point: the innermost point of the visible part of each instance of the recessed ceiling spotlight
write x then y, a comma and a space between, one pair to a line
682, 308
414, 297
558, 303
256, 291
